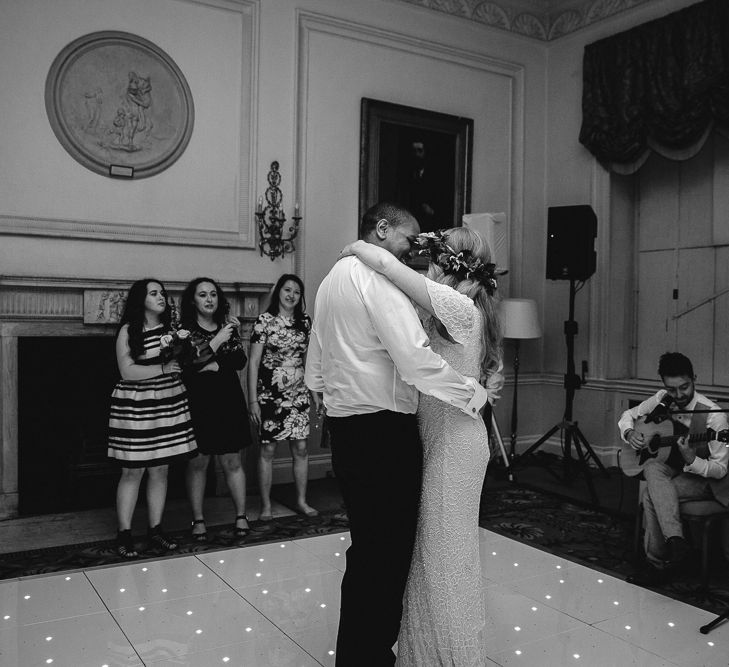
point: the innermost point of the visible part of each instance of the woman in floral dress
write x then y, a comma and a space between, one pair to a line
278, 399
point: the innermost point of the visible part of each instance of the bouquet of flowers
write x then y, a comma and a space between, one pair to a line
177, 344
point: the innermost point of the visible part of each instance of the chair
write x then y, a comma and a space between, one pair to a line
700, 516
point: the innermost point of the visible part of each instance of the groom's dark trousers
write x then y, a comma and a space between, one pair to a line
378, 461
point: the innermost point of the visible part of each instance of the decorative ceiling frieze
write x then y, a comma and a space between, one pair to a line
541, 19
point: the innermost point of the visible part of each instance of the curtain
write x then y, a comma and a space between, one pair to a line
661, 86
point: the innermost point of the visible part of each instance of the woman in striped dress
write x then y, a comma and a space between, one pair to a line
149, 423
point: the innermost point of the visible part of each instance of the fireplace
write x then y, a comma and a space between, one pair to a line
56, 377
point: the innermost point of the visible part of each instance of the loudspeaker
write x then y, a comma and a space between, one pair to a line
571, 232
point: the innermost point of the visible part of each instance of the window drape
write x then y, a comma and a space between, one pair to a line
661, 86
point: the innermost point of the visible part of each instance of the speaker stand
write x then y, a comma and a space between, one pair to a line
572, 434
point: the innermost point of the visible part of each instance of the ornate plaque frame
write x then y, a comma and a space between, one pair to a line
119, 105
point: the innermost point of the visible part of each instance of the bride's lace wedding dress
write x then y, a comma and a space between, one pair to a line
443, 621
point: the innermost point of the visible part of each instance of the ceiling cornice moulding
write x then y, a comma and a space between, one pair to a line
541, 19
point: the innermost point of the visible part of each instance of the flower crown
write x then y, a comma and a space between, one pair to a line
463, 265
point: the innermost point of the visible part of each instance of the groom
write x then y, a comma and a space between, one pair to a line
369, 356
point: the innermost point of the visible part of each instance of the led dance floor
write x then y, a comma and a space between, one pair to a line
277, 605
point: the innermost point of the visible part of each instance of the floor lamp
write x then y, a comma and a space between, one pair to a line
519, 321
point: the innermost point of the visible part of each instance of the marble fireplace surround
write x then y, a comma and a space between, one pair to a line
51, 307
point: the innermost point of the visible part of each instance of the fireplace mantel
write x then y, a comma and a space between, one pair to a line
41, 306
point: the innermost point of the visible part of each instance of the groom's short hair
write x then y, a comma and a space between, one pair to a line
393, 213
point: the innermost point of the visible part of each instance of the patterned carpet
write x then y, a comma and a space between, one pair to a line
94, 554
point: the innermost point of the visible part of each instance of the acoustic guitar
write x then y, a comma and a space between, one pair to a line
659, 438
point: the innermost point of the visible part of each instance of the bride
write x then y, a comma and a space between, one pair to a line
443, 620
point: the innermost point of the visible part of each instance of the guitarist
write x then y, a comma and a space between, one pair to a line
689, 473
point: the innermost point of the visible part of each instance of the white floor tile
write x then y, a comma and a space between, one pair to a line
582, 646
296, 604
41, 599
671, 629
508, 560
512, 619
330, 548
268, 650
320, 641
249, 566
82, 641
164, 630
583, 593
156, 581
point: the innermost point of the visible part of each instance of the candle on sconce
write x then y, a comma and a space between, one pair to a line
296, 209
259, 208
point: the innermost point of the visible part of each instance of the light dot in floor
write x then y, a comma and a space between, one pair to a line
249, 629
48, 639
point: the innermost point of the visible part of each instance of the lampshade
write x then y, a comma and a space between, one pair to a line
519, 319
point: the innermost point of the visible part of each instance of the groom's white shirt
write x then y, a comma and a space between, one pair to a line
369, 352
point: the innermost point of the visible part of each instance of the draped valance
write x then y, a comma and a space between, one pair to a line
661, 86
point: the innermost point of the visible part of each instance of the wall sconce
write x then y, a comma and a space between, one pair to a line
271, 220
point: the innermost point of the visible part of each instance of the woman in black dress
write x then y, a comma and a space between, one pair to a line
217, 403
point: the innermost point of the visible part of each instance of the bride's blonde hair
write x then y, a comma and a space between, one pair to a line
464, 239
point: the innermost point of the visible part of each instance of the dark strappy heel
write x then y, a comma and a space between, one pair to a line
241, 532
125, 544
198, 537
159, 539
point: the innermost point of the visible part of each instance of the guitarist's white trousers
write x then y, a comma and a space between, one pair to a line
666, 490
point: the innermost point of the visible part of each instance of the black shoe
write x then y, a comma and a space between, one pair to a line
125, 544
159, 539
678, 549
650, 576
241, 532
201, 538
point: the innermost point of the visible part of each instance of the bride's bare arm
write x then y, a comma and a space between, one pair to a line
406, 279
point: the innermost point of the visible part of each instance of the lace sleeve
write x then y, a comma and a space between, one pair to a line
455, 310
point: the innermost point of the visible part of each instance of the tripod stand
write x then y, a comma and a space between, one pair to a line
705, 629
570, 428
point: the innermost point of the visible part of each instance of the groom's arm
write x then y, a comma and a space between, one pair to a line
398, 328
312, 371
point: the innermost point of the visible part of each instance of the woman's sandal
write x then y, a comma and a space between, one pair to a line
158, 538
241, 532
198, 537
125, 544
